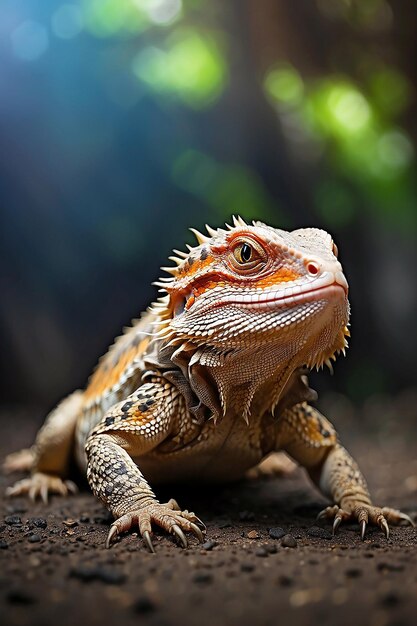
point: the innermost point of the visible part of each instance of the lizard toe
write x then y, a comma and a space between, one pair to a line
40, 486
173, 521
365, 514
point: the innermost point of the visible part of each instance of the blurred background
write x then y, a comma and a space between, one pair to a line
124, 122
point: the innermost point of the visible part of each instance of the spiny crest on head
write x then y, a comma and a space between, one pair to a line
180, 257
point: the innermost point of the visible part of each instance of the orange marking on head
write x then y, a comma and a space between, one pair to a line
282, 275
205, 269
212, 280
196, 267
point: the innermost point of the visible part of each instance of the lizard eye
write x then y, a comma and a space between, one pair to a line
247, 256
243, 253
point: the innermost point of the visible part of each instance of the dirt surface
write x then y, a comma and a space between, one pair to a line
55, 570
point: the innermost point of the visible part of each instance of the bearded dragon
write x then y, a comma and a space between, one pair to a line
209, 382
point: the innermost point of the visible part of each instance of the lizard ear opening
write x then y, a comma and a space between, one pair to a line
179, 306
181, 302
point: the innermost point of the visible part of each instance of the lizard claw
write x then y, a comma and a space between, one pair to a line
197, 532
397, 515
336, 523
383, 524
168, 516
113, 532
147, 539
178, 532
363, 529
365, 513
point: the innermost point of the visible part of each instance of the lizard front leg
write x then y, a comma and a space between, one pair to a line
312, 441
133, 428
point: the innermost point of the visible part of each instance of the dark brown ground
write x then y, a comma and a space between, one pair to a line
61, 573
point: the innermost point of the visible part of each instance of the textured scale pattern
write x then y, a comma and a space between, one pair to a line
210, 383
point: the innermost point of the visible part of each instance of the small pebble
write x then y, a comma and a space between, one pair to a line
3, 545
70, 523
288, 541
37, 522
208, 545
253, 534
35, 538
320, 533
203, 578
144, 605
276, 533
353, 572
13, 520
247, 567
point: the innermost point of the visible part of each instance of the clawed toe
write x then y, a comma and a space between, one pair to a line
197, 532
148, 541
383, 524
113, 532
397, 517
168, 516
176, 530
40, 486
365, 514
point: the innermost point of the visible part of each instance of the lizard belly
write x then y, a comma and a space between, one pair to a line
221, 453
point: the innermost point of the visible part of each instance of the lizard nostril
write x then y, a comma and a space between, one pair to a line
313, 268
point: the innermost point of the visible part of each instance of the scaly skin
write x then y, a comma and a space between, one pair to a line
210, 382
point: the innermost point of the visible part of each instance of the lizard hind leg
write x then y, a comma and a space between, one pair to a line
49, 457
275, 464
20, 461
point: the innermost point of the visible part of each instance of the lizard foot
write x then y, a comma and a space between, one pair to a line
168, 516
40, 486
365, 514
21, 461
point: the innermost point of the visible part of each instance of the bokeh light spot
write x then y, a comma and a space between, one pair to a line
105, 18
284, 85
161, 11
191, 67
395, 150
67, 21
29, 40
349, 108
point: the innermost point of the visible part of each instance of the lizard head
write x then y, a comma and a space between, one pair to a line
259, 288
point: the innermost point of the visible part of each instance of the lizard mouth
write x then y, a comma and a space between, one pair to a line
293, 296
